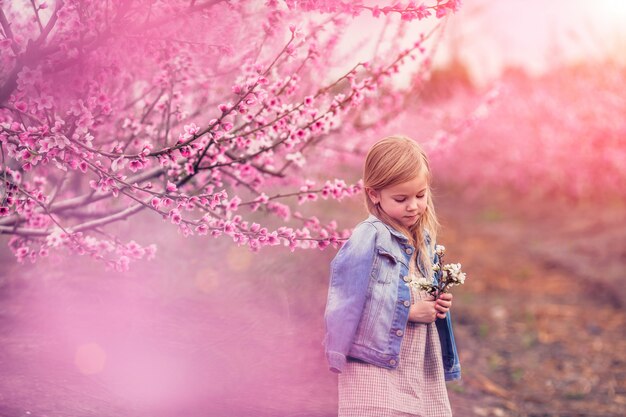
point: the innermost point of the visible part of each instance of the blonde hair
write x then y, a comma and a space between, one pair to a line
394, 160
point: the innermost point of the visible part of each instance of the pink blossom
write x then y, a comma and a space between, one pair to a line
262, 199
136, 164
21, 253
250, 100
21, 106
122, 264
229, 228
454, 5
45, 103
118, 163
441, 11
237, 89
272, 239
185, 151
171, 187
254, 245
175, 216
281, 210
233, 205
191, 129
150, 251
185, 230
61, 141
240, 239
133, 250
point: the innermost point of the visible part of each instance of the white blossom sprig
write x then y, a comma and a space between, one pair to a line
449, 275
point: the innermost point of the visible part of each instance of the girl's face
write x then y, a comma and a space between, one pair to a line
404, 202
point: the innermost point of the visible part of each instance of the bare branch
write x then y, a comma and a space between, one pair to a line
88, 198
6, 26
36, 10
121, 215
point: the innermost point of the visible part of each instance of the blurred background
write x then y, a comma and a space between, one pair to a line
530, 180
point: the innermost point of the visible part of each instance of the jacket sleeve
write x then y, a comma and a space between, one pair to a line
347, 293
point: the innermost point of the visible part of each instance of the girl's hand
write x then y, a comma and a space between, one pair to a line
443, 304
423, 311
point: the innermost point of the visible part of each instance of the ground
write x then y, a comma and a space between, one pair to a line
540, 323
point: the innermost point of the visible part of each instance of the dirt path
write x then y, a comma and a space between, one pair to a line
234, 334
537, 336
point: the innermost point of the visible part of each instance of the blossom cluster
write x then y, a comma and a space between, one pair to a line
448, 275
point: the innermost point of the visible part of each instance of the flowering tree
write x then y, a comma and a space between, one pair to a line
200, 112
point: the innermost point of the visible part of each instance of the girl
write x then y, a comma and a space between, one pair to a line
391, 344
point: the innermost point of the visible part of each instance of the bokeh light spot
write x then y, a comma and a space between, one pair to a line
206, 280
239, 258
90, 358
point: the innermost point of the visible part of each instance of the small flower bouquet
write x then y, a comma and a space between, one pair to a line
448, 274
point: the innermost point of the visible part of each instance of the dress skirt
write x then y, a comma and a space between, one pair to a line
415, 388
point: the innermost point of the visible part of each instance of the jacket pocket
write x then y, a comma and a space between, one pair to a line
387, 265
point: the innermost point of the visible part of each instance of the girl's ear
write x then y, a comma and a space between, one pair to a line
373, 195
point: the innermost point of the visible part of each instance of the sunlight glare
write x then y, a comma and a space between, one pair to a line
90, 358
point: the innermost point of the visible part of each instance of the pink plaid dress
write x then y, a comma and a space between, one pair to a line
415, 388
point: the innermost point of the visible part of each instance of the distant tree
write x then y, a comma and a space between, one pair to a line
558, 135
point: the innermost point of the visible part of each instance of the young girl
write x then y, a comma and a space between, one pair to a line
391, 344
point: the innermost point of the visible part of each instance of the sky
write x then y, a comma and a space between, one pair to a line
489, 35
535, 34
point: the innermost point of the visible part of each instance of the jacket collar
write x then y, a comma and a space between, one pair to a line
393, 231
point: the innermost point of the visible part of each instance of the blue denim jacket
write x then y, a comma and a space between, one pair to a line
369, 300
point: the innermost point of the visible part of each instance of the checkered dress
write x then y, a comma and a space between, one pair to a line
415, 388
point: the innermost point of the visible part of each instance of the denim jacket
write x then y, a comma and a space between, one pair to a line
369, 299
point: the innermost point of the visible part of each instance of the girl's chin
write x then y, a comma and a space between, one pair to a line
410, 221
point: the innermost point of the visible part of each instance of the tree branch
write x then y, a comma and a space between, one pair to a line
6, 26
